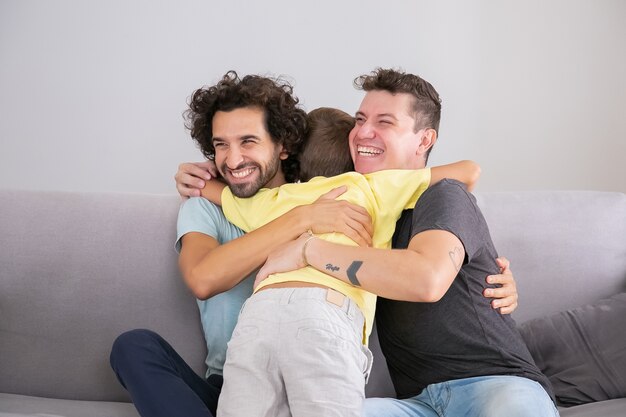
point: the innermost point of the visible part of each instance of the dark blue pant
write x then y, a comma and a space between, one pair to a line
158, 379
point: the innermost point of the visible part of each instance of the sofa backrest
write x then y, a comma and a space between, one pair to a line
567, 248
78, 269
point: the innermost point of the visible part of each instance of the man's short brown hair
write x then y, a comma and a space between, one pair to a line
426, 107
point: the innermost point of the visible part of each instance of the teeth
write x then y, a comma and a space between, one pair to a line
368, 151
243, 173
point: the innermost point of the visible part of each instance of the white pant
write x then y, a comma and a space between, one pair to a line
293, 353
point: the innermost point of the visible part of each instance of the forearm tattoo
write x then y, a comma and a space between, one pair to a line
332, 268
351, 272
456, 256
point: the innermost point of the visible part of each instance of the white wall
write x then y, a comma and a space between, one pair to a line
92, 92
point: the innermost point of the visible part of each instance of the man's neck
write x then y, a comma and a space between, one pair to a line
277, 181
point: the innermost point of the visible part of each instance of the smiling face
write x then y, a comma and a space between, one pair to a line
245, 154
384, 136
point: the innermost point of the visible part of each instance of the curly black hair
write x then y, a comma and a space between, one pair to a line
285, 121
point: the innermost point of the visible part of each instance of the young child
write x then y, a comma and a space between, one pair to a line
285, 333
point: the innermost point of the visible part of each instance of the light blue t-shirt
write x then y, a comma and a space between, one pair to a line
219, 313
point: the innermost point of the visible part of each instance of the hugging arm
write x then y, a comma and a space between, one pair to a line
505, 296
212, 191
210, 271
422, 272
465, 171
209, 268
191, 177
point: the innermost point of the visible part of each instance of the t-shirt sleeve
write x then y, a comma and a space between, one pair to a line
448, 206
247, 213
198, 214
399, 189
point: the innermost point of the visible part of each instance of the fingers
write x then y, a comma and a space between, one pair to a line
186, 192
362, 216
506, 305
358, 232
358, 235
264, 272
190, 178
505, 297
355, 222
196, 169
189, 186
260, 276
365, 221
359, 219
334, 193
508, 310
328, 215
503, 263
500, 292
210, 167
506, 280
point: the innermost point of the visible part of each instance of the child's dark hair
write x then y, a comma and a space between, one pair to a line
326, 151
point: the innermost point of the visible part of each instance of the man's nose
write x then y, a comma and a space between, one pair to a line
234, 158
365, 130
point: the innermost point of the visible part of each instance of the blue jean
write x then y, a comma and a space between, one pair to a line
159, 381
486, 396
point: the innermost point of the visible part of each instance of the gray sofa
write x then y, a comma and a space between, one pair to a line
78, 269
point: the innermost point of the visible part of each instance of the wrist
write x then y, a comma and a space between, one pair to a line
309, 237
299, 221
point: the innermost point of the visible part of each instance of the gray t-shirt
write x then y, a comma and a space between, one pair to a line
219, 313
460, 336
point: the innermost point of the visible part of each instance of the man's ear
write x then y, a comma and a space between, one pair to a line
427, 141
283, 153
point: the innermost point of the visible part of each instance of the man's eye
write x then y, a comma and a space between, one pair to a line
359, 120
385, 122
218, 145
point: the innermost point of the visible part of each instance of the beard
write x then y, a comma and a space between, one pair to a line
248, 189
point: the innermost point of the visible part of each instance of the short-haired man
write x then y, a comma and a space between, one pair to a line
448, 351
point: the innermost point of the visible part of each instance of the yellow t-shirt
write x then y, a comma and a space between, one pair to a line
384, 194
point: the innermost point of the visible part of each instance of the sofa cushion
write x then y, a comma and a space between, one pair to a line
582, 351
13, 405
612, 408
